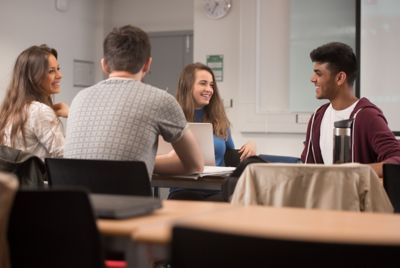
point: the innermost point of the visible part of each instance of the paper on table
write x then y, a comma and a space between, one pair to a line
209, 171
216, 170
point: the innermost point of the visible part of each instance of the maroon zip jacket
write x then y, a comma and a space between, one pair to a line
372, 140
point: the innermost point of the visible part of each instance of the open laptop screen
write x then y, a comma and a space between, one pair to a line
203, 132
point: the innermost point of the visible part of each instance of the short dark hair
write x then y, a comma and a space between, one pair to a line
339, 56
126, 49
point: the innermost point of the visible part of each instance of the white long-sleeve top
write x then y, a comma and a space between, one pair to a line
43, 132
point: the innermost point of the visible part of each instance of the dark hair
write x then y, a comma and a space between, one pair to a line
214, 111
340, 58
126, 49
30, 68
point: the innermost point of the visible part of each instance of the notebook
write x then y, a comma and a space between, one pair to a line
209, 171
123, 206
203, 132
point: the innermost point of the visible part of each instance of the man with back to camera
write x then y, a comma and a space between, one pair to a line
120, 118
335, 70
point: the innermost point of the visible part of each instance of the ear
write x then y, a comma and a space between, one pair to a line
341, 78
146, 66
104, 66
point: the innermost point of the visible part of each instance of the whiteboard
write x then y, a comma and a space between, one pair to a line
380, 57
312, 24
276, 37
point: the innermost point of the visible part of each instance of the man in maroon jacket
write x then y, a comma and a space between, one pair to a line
335, 70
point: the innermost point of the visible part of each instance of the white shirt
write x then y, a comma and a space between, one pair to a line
327, 126
43, 132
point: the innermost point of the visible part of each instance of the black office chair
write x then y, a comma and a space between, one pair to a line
391, 183
100, 176
53, 228
28, 168
280, 158
232, 157
201, 248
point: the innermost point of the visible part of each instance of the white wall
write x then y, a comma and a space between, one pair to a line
380, 56
74, 32
225, 37
78, 33
216, 37
151, 15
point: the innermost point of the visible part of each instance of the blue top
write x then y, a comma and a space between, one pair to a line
220, 144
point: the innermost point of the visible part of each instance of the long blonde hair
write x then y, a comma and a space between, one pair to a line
214, 112
30, 68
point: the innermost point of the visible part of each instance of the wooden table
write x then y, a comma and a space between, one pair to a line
279, 223
149, 236
289, 223
118, 233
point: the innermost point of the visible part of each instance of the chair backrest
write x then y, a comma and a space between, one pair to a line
8, 187
192, 247
391, 183
280, 158
232, 157
28, 168
53, 228
100, 176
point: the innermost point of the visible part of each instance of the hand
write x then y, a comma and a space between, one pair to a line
61, 109
378, 168
247, 150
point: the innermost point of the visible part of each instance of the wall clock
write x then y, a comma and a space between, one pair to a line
217, 9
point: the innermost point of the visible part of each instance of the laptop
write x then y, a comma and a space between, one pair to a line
203, 132
122, 206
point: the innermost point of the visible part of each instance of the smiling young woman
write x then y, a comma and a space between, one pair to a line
200, 100
28, 119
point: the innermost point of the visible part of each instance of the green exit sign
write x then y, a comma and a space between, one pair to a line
216, 63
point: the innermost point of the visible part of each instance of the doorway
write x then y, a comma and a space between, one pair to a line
171, 51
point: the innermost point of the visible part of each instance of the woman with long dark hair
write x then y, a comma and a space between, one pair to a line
28, 118
200, 100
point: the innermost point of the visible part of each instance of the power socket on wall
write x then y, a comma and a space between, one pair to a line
228, 103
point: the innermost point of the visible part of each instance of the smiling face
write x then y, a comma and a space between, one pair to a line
324, 81
203, 88
52, 80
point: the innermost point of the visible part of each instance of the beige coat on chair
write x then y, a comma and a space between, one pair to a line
352, 187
